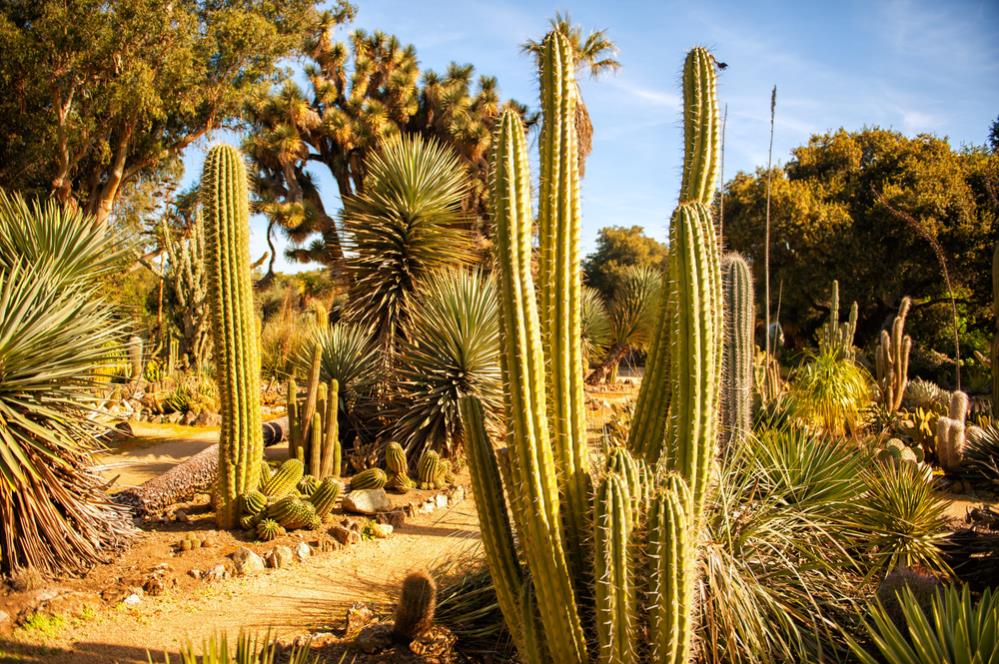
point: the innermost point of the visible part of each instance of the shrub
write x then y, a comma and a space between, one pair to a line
830, 392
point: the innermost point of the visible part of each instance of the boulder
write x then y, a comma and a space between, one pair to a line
279, 556
247, 561
366, 501
345, 535
302, 552
217, 573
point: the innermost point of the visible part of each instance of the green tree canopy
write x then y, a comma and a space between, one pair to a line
862, 207
618, 249
94, 95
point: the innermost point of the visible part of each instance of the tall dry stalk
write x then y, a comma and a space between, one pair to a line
766, 234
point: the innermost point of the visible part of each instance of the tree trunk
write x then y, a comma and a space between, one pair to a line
197, 474
608, 366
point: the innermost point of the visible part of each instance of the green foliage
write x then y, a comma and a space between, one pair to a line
619, 248
905, 519
954, 629
825, 212
96, 99
54, 333
249, 649
595, 325
452, 350
830, 392
234, 327
982, 454
186, 280
404, 225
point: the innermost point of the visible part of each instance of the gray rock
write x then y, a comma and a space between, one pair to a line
247, 561
441, 500
366, 501
195, 573
345, 535
217, 573
302, 551
131, 600
279, 556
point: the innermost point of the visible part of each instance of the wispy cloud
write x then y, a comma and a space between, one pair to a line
647, 95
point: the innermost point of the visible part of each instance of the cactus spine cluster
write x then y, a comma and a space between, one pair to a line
891, 360
545, 464
234, 327
315, 438
738, 348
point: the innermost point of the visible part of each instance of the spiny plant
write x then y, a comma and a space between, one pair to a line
834, 336
737, 363
452, 349
234, 327
249, 649
951, 435
892, 360
315, 437
830, 391
186, 280
414, 614
537, 547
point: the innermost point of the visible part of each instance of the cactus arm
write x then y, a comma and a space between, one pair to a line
700, 128
311, 392
616, 600
995, 333
648, 424
522, 363
315, 444
561, 284
330, 466
670, 548
234, 328
294, 423
737, 361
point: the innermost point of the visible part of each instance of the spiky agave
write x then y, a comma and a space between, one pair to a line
452, 351
54, 513
404, 224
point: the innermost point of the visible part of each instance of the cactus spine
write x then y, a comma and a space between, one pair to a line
700, 128
737, 362
671, 551
891, 360
561, 283
616, 599
234, 327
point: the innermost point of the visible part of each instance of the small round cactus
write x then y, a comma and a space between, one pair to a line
308, 485
269, 529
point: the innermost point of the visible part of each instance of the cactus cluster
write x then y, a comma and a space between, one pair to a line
185, 277
896, 452
738, 349
892, 360
639, 528
951, 439
289, 499
432, 471
397, 467
313, 428
835, 336
234, 327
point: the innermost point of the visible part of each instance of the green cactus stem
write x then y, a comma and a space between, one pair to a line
284, 479
294, 421
372, 478
615, 592
234, 327
892, 360
325, 495
738, 347
700, 128
331, 434
671, 550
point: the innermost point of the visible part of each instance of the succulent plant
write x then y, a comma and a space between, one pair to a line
428, 469
284, 479
399, 483
269, 529
951, 437
253, 502
325, 495
414, 614
737, 363
307, 485
372, 478
395, 458
892, 360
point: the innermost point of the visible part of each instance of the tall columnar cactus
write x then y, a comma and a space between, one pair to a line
546, 447
951, 436
700, 139
737, 363
616, 598
560, 282
834, 335
892, 360
234, 327
995, 334
134, 346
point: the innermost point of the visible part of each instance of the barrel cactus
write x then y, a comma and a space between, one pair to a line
372, 478
284, 479
234, 327
325, 495
269, 529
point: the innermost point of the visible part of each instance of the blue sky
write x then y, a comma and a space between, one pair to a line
911, 66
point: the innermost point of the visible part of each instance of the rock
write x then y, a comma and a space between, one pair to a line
373, 639
381, 530
279, 556
131, 600
195, 573
5, 621
181, 516
440, 500
247, 561
428, 505
345, 535
217, 573
73, 603
190, 418
154, 585
457, 494
302, 552
394, 518
366, 501
358, 616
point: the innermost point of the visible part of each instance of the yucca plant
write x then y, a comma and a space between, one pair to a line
595, 325
249, 649
632, 319
956, 630
54, 513
348, 354
780, 572
831, 392
405, 223
905, 519
981, 458
452, 350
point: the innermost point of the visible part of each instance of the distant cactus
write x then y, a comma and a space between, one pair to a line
372, 478
892, 360
737, 365
951, 436
834, 335
234, 327
186, 278
134, 347
317, 443
395, 458
269, 529
414, 614
428, 469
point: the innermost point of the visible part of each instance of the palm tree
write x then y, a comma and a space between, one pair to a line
632, 315
404, 225
596, 54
